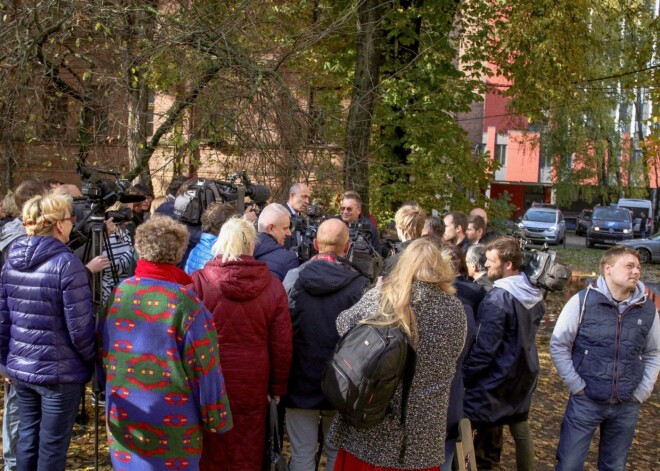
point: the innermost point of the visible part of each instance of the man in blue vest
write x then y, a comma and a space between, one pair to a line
606, 348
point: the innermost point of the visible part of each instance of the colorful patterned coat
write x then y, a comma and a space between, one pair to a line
164, 384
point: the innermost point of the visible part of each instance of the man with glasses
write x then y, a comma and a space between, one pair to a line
351, 214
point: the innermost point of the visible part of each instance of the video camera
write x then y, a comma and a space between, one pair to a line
190, 206
361, 253
542, 268
100, 189
303, 232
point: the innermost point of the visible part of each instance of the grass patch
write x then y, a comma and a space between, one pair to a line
587, 261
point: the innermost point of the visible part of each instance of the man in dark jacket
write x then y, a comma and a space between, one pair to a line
501, 369
318, 291
274, 226
351, 214
488, 235
299, 195
606, 348
455, 227
475, 259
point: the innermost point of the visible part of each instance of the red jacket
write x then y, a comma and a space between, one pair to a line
251, 314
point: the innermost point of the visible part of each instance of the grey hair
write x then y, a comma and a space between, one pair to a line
296, 187
271, 214
476, 255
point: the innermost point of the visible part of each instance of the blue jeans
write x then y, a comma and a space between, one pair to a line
617, 426
10, 420
47, 413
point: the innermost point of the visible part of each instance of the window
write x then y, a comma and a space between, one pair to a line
500, 154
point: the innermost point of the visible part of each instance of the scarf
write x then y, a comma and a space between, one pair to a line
161, 271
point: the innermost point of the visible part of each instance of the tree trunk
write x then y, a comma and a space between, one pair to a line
137, 104
363, 100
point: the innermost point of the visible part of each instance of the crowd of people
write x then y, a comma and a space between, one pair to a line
200, 327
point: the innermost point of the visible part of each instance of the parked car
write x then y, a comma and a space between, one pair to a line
638, 207
649, 249
583, 222
610, 225
543, 225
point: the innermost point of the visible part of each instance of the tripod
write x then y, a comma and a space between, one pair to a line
96, 241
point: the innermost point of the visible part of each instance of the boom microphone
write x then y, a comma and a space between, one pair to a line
258, 193
126, 198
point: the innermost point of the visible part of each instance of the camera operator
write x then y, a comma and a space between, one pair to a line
299, 195
119, 250
194, 230
351, 214
100, 262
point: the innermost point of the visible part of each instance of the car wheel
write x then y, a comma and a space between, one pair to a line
587, 242
644, 256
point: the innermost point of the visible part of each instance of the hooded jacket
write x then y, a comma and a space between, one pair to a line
278, 259
501, 369
46, 314
251, 314
612, 350
10, 232
318, 291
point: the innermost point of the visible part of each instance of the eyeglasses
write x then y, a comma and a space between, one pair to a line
347, 209
70, 218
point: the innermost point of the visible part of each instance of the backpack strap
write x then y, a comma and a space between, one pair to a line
583, 303
409, 373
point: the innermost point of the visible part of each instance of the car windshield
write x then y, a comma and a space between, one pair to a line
540, 216
637, 211
611, 214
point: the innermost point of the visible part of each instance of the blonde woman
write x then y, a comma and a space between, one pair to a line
417, 297
46, 331
251, 314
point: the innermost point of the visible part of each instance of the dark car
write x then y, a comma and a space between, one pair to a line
649, 249
583, 222
609, 226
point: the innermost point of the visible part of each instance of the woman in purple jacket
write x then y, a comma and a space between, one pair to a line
46, 332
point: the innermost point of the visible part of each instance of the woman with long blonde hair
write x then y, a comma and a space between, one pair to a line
417, 296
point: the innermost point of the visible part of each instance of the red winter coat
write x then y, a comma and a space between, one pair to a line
251, 315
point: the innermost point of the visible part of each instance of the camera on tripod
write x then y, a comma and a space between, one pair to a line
542, 267
100, 189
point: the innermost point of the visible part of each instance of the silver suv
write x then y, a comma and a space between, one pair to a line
541, 225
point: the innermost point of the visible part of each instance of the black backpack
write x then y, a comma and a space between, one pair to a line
361, 378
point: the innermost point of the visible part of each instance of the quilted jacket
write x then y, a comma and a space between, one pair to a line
202, 253
46, 315
251, 314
